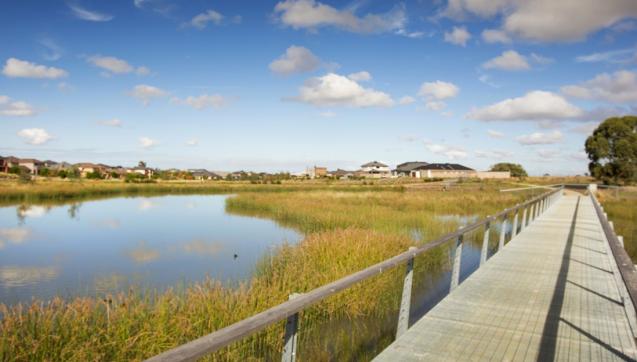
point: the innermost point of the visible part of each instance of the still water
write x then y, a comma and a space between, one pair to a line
98, 247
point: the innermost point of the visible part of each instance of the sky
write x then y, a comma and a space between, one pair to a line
284, 85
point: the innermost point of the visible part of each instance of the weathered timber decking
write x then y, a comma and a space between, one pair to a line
550, 294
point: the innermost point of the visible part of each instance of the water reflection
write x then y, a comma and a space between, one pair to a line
155, 242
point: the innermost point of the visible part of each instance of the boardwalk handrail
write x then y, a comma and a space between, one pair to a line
627, 269
225, 336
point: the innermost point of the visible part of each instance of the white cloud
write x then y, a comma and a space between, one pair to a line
495, 134
618, 56
533, 106
200, 21
360, 76
619, 87
438, 90
586, 128
495, 36
494, 154
111, 123
11, 108
89, 15
435, 105
53, 50
457, 36
146, 142
310, 14
541, 59
16, 68
296, 59
508, 60
337, 90
116, 66
192, 142
202, 101
16, 235
406, 100
547, 20
146, 93
548, 153
35, 136
450, 152
540, 138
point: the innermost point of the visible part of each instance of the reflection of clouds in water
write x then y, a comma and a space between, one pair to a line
110, 223
198, 246
110, 283
32, 211
191, 205
146, 204
16, 276
143, 254
13, 235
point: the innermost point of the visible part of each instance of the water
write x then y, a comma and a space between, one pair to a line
99, 247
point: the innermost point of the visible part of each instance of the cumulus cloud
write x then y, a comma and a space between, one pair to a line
450, 152
547, 20
540, 138
495, 134
337, 90
146, 93
360, 76
111, 122
533, 106
508, 60
16, 68
200, 21
435, 92
296, 59
202, 101
311, 14
495, 36
406, 100
619, 87
11, 108
89, 15
146, 142
115, 65
457, 36
35, 136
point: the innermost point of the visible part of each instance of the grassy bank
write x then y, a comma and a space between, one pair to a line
345, 232
621, 207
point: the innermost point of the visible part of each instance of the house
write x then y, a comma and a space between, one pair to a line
342, 174
203, 174
318, 172
375, 169
86, 167
31, 164
406, 168
6, 163
443, 170
141, 170
60, 166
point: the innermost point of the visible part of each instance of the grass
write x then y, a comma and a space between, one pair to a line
621, 207
345, 232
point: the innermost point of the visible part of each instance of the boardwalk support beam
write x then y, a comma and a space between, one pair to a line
457, 259
503, 231
485, 243
291, 335
405, 301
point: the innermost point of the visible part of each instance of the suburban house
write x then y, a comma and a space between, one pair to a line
31, 164
443, 170
375, 169
145, 171
318, 172
406, 168
203, 174
87, 167
342, 174
7, 163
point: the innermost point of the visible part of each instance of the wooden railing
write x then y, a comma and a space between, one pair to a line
523, 214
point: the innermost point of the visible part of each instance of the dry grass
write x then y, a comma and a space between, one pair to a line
621, 207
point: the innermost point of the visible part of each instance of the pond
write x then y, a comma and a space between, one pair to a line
98, 247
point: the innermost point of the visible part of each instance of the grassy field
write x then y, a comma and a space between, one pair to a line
345, 232
621, 207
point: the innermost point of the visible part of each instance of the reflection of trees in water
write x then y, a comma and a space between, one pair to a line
74, 209
25, 210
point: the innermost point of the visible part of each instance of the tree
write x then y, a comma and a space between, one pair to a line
612, 150
516, 169
141, 164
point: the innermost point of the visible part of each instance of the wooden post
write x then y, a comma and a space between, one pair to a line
405, 301
531, 213
291, 334
523, 219
485, 243
503, 231
457, 258
621, 240
514, 232
612, 226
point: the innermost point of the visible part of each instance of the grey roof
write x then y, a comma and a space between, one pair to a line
374, 164
444, 166
408, 166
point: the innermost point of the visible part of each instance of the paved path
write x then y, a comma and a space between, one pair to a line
550, 294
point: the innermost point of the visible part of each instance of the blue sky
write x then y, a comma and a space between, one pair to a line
281, 85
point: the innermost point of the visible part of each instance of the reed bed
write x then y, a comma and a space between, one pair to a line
621, 207
345, 232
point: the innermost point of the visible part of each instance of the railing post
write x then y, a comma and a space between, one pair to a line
457, 258
523, 225
405, 301
514, 232
612, 226
485, 242
503, 231
531, 213
291, 334
621, 240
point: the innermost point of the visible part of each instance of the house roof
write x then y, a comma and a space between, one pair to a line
444, 166
408, 166
341, 172
374, 164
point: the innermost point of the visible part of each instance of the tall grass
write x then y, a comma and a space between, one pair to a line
345, 232
621, 207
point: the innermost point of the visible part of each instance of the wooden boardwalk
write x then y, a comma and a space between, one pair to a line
550, 294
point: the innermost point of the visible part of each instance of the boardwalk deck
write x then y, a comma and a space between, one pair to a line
550, 294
